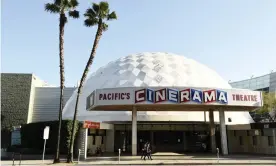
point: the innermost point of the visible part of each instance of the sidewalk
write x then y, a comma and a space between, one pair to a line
164, 160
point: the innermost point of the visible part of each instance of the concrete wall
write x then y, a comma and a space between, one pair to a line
15, 98
46, 103
261, 139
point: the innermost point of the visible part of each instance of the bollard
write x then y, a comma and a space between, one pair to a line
119, 156
20, 159
79, 155
13, 159
218, 154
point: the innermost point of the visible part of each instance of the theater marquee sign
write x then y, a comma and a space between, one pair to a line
174, 96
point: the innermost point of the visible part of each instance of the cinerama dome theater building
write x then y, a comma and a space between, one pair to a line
169, 130
151, 70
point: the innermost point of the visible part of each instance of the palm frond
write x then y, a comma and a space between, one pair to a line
104, 26
90, 13
104, 6
104, 10
73, 3
96, 8
112, 16
57, 2
74, 14
66, 4
97, 14
52, 8
91, 22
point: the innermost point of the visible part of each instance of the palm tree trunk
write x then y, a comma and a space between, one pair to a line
62, 79
84, 75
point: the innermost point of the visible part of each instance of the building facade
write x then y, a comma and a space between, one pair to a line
18, 94
169, 130
265, 83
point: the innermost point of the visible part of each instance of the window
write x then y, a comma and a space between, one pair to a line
94, 140
241, 140
254, 139
270, 141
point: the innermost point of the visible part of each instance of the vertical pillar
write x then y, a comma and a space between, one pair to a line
134, 132
82, 142
274, 139
223, 135
109, 141
212, 131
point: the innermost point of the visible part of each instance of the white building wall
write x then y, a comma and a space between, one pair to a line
36, 83
46, 103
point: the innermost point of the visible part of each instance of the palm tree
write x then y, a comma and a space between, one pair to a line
95, 16
61, 7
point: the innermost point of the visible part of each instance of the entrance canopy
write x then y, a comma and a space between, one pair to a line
173, 99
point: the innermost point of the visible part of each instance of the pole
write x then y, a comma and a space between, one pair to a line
20, 159
79, 156
218, 154
13, 158
44, 150
119, 156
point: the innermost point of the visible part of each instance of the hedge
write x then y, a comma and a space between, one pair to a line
32, 136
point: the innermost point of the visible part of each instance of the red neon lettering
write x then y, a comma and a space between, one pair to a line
234, 97
245, 97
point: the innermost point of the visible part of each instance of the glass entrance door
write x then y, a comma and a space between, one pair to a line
168, 141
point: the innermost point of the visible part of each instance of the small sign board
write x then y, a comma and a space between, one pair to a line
16, 137
91, 125
46, 132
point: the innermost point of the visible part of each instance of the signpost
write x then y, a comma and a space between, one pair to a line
45, 137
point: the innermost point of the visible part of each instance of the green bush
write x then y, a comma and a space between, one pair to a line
32, 136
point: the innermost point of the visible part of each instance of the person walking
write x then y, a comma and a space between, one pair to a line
149, 151
144, 151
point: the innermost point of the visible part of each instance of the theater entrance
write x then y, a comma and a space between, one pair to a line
192, 138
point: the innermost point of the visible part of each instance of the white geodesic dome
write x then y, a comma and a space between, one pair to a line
151, 69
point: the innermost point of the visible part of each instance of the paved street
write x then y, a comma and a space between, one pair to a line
162, 159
